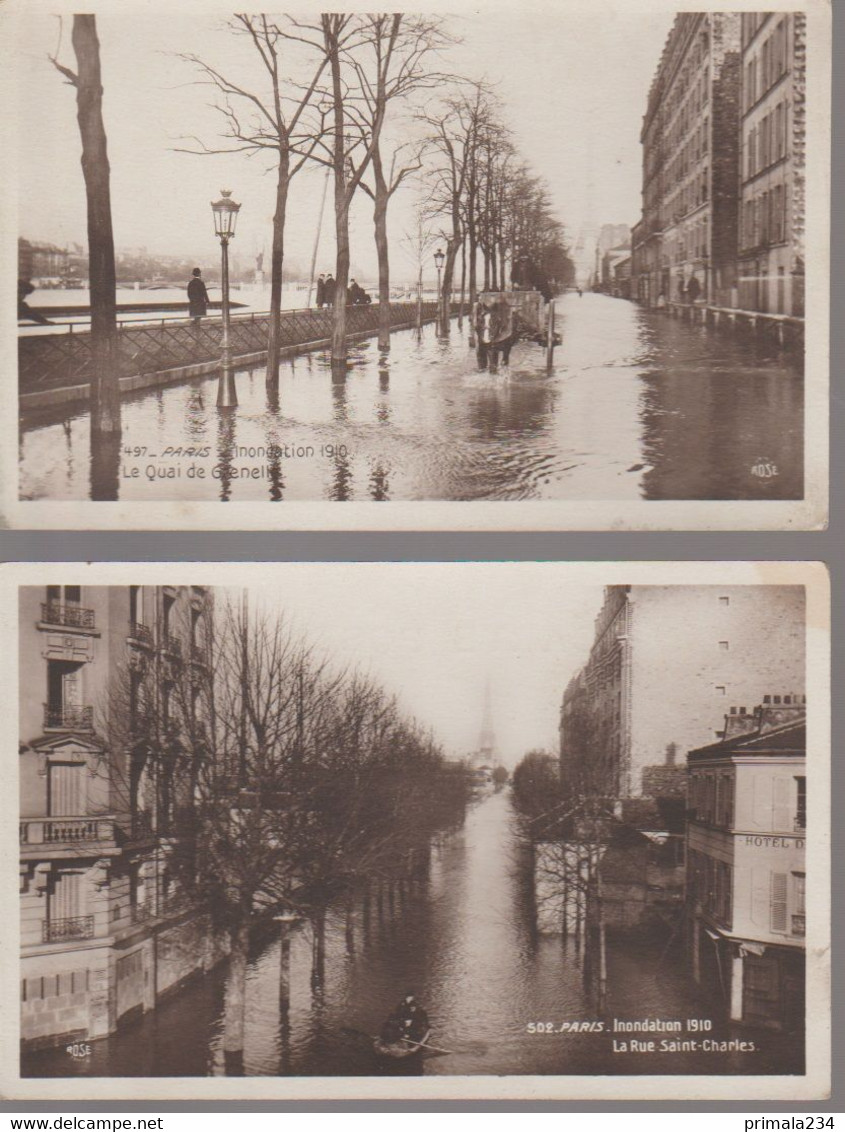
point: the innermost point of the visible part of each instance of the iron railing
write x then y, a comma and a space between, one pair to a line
71, 927
67, 616
143, 634
172, 644
63, 718
49, 361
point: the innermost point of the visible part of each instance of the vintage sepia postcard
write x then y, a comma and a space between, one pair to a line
455, 268
467, 830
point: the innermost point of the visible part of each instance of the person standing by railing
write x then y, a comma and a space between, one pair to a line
198, 299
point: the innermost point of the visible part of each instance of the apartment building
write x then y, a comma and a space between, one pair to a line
103, 933
665, 662
773, 127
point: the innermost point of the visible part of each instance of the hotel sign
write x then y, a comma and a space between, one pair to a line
760, 841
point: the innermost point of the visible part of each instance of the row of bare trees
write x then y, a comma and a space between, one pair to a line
488, 202
364, 96
279, 784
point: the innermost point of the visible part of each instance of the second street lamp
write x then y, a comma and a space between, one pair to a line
225, 218
438, 263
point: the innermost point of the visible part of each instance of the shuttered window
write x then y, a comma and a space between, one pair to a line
66, 899
778, 902
66, 796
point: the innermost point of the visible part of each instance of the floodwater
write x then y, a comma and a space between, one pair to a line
464, 944
637, 406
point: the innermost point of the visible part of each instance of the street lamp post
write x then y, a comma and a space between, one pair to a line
438, 263
225, 217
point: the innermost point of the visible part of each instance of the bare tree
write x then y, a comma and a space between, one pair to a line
390, 64
272, 782
455, 131
271, 121
105, 381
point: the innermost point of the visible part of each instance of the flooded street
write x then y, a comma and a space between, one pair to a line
638, 406
463, 943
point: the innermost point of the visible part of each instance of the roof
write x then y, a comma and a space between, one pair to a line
788, 739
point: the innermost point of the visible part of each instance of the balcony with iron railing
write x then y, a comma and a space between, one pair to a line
141, 634
171, 644
71, 927
66, 616
62, 717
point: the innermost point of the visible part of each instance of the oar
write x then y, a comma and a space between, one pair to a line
424, 1045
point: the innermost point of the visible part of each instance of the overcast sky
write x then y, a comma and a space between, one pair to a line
434, 634
573, 85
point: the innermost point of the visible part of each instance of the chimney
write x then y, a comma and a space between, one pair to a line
671, 753
738, 723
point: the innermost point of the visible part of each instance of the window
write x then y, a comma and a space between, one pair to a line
721, 690
136, 605
800, 802
167, 608
64, 706
777, 904
66, 790
798, 921
724, 646
724, 600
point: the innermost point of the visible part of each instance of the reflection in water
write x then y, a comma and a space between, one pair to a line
463, 941
225, 451
105, 467
379, 484
638, 405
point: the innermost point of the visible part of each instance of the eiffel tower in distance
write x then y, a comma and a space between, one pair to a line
486, 754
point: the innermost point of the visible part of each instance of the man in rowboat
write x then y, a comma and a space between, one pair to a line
412, 1019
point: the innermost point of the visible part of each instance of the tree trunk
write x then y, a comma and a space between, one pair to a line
383, 275
105, 388
234, 1008
382, 197
276, 264
341, 214
318, 966
463, 281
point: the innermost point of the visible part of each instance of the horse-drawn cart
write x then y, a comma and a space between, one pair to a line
500, 319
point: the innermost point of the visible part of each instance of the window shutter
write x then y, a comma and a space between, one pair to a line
67, 790
778, 902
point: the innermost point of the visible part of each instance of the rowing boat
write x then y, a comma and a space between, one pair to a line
402, 1048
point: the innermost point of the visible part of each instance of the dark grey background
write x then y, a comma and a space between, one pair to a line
234, 546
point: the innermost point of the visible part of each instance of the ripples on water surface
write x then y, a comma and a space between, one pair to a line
638, 406
464, 945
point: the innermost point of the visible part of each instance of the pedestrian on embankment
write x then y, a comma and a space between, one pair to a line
329, 289
198, 299
321, 291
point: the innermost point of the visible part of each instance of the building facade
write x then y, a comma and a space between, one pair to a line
773, 125
746, 878
103, 932
684, 248
665, 662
